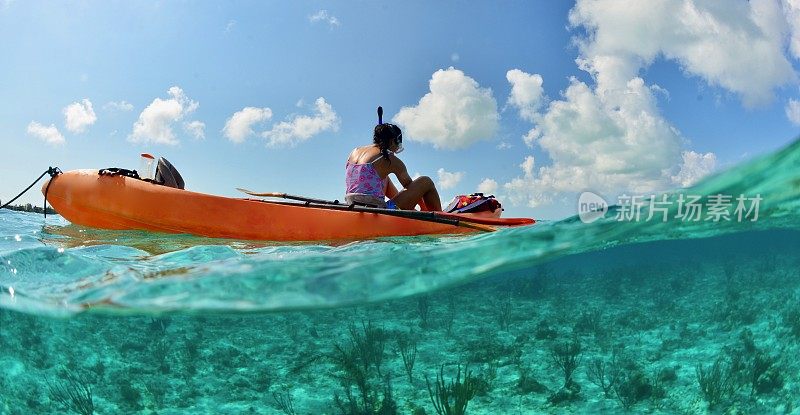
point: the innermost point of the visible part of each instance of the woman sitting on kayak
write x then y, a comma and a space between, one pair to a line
367, 175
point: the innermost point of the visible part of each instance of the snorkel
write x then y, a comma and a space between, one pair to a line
398, 139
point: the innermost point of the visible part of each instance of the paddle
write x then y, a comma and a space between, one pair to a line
472, 219
444, 215
408, 214
287, 196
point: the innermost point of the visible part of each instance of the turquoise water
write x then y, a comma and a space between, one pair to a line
171, 324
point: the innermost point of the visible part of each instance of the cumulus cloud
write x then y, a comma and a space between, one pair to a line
196, 129
695, 166
793, 111
604, 140
302, 127
706, 39
487, 186
527, 94
526, 189
49, 134
118, 106
609, 136
155, 122
325, 17
240, 125
456, 112
448, 180
78, 116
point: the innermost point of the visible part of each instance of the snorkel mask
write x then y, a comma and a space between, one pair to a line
399, 141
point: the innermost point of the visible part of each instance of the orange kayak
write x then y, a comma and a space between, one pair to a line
117, 202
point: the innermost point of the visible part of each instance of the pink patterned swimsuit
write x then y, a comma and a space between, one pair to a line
364, 179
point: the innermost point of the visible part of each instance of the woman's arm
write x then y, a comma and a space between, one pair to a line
390, 191
399, 169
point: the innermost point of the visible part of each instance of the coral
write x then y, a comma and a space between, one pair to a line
423, 311
567, 357
590, 321
369, 344
504, 314
74, 394
357, 363
284, 402
372, 405
407, 346
603, 374
765, 376
451, 399
717, 382
632, 388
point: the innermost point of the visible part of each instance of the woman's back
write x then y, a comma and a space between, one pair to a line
363, 174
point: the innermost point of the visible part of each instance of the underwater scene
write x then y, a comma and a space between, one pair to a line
613, 316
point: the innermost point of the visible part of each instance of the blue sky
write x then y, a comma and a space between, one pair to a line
606, 96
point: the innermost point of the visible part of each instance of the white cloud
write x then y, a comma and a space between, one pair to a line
456, 112
610, 137
455, 57
695, 166
49, 134
504, 146
601, 140
324, 16
527, 94
487, 186
240, 125
792, 10
793, 111
118, 106
302, 127
155, 122
526, 189
196, 129
448, 180
707, 39
78, 116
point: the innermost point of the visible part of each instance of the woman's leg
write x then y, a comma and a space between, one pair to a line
421, 188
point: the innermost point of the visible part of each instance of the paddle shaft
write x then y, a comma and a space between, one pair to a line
407, 214
480, 220
287, 196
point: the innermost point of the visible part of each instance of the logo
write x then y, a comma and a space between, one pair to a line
591, 207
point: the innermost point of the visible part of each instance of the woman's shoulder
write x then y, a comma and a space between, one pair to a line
359, 154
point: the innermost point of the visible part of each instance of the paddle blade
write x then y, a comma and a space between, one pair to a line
261, 194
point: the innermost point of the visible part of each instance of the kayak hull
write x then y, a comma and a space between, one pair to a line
116, 202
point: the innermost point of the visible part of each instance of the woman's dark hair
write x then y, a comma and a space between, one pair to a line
384, 135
